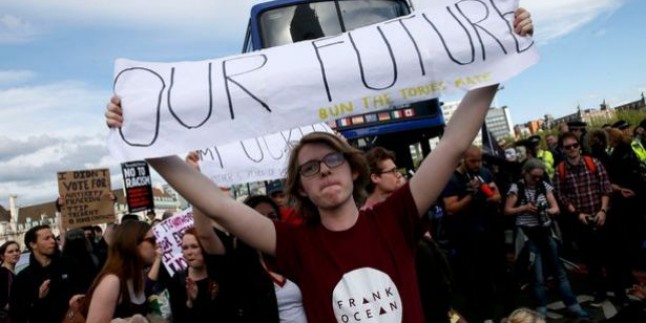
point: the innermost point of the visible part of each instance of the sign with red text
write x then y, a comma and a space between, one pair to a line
169, 235
138, 185
172, 108
86, 195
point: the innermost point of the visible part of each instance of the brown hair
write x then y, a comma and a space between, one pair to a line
374, 156
598, 137
124, 260
193, 232
355, 158
4, 247
616, 136
567, 135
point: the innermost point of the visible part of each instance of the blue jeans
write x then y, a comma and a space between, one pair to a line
546, 253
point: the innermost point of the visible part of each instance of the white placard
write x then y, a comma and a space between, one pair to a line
169, 235
172, 108
260, 159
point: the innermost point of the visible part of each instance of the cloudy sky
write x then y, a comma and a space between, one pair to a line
56, 64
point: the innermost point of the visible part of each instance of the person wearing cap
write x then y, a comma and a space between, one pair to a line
623, 126
276, 193
533, 144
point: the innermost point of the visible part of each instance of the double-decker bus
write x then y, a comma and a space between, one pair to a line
402, 128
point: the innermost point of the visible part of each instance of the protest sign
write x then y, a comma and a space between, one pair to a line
87, 197
138, 185
259, 159
169, 235
171, 108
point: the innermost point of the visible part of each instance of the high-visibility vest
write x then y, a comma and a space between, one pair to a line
639, 150
548, 161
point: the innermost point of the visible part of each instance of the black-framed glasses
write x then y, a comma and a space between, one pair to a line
313, 167
389, 171
572, 146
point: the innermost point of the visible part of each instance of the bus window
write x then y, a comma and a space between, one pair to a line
290, 24
357, 14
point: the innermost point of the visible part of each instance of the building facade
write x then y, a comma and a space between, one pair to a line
18, 219
499, 122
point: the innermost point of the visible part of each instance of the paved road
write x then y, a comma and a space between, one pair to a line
557, 311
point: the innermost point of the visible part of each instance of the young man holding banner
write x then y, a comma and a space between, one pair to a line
351, 265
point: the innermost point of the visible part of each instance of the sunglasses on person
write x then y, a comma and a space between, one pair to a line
313, 167
572, 146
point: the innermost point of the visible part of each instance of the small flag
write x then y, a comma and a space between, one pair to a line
371, 117
383, 116
409, 113
397, 114
343, 122
357, 120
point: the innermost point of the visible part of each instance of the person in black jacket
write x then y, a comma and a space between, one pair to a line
41, 291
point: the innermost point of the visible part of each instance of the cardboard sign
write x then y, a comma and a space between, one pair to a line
259, 159
87, 197
172, 108
169, 235
139, 190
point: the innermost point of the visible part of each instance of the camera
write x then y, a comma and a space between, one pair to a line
542, 206
590, 220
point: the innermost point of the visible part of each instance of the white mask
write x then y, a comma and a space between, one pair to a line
510, 154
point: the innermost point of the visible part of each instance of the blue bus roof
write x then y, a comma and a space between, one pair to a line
260, 7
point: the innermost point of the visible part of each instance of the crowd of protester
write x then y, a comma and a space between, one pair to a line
576, 195
460, 259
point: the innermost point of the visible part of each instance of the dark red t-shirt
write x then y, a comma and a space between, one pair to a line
363, 274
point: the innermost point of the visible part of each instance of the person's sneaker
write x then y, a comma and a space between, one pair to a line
542, 311
598, 301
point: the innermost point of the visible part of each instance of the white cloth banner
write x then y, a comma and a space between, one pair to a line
169, 235
172, 108
259, 159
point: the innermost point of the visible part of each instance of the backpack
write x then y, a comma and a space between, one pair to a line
587, 160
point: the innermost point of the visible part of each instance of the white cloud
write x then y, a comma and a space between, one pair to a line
557, 18
13, 77
554, 19
57, 109
46, 129
14, 29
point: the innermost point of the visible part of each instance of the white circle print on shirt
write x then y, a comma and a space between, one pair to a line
366, 295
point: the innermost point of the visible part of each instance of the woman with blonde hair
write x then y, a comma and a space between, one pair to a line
524, 315
118, 290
